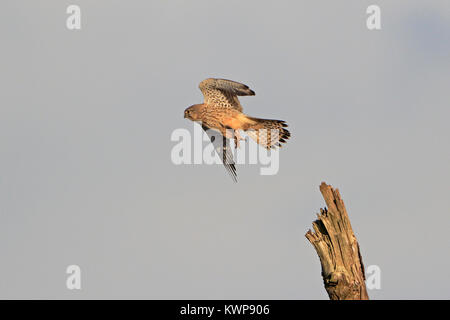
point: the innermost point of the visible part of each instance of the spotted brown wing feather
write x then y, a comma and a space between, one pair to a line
224, 93
222, 148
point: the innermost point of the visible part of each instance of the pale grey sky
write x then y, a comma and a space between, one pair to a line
85, 124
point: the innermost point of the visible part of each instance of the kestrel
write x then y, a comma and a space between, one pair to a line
222, 112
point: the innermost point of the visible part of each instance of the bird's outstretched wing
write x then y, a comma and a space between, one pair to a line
222, 148
222, 92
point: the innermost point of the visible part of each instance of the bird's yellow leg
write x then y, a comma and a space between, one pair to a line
237, 138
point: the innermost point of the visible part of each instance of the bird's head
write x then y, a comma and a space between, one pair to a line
193, 112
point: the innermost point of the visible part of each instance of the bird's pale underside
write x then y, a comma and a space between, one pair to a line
222, 118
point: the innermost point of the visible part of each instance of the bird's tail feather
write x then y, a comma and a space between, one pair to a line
266, 132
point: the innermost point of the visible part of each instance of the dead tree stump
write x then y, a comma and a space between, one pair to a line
338, 250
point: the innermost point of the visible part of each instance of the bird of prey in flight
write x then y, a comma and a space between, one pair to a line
221, 112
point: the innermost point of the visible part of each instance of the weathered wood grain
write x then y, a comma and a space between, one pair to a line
338, 249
